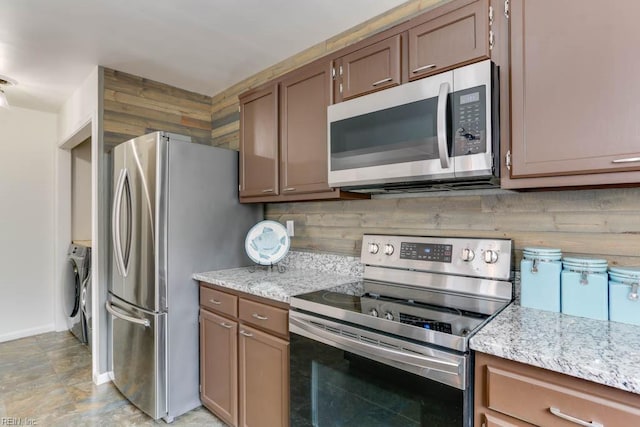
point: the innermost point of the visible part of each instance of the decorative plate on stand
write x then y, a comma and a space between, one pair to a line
267, 242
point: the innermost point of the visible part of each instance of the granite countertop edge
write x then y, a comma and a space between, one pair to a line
603, 352
272, 284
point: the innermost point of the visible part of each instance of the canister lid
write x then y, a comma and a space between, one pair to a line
588, 264
540, 253
624, 273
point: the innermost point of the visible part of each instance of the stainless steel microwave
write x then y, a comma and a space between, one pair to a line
441, 130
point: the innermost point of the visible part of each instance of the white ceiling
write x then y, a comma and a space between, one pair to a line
205, 46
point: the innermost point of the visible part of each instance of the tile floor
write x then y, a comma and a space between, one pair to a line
45, 380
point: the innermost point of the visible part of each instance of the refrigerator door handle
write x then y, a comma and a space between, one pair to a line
115, 223
132, 319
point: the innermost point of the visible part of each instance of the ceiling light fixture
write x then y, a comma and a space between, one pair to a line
5, 81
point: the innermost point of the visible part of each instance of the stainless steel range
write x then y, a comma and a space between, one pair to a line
393, 349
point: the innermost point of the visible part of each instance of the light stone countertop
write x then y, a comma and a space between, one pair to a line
599, 351
304, 272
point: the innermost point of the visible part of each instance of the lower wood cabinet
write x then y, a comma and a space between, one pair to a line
509, 393
219, 366
264, 379
244, 359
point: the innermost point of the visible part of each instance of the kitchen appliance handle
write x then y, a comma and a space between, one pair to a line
132, 319
126, 257
115, 222
443, 151
349, 344
558, 413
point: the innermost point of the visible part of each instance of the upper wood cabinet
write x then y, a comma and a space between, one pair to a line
259, 143
574, 97
369, 69
304, 98
455, 38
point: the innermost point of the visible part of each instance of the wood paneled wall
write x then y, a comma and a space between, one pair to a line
225, 115
594, 223
134, 106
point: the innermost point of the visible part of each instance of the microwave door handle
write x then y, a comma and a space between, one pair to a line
443, 150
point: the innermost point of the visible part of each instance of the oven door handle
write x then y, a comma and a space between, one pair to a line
350, 344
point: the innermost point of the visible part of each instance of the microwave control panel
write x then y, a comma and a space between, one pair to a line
470, 121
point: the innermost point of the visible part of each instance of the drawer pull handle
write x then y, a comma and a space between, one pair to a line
268, 190
379, 82
289, 189
216, 302
246, 334
424, 67
259, 317
225, 325
627, 160
558, 413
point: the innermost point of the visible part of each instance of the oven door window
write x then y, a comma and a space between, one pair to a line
405, 133
331, 387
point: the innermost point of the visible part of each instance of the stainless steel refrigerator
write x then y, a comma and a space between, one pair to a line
175, 212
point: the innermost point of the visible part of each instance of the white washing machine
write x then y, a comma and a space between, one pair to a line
77, 294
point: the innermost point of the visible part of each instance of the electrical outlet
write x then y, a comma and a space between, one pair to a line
290, 230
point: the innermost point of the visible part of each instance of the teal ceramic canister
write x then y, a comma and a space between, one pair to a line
585, 288
624, 304
540, 271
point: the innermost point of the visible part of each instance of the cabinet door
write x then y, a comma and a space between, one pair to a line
259, 143
574, 103
219, 366
264, 379
304, 99
459, 37
370, 69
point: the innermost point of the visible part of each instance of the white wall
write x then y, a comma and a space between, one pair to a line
27, 144
78, 119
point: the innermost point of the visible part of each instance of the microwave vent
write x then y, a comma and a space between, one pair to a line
426, 186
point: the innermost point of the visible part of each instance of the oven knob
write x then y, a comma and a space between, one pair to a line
373, 248
373, 312
388, 315
388, 249
468, 255
490, 257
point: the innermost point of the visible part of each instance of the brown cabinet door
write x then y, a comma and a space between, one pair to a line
304, 99
456, 38
219, 366
369, 69
259, 143
574, 100
264, 379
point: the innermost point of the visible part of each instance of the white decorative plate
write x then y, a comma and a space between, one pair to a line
267, 242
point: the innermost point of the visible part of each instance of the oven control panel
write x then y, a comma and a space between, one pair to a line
476, 257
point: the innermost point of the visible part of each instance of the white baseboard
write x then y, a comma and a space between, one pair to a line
102, 378
27, 333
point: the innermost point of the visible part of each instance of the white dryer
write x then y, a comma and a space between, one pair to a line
77, 294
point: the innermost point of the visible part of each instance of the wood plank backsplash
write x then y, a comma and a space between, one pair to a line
134, 106
593, 223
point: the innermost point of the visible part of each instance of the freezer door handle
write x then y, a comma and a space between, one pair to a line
132, 319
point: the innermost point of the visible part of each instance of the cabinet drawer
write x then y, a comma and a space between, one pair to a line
219, 301
535, 400
264, 316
